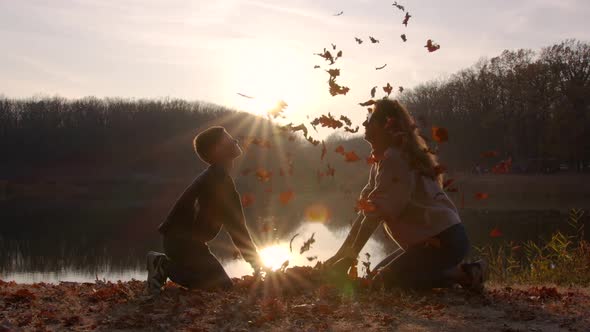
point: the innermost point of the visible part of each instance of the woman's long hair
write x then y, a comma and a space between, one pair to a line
406, 136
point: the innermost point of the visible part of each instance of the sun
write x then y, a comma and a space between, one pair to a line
274, 256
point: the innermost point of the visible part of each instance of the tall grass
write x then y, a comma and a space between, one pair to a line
562, 259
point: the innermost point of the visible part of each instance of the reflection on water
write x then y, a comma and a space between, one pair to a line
326, 244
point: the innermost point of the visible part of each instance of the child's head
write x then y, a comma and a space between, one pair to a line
215, 145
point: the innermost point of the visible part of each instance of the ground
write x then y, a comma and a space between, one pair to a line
124, 306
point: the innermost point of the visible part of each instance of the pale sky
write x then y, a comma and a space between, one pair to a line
211, 50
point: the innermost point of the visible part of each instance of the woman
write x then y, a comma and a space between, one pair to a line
405, 193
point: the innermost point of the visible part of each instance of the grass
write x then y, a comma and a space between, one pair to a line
562, 259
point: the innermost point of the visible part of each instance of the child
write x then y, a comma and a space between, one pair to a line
208, 203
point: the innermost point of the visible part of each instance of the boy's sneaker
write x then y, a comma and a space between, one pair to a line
478, 275
156, 274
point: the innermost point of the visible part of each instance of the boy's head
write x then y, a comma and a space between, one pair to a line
215, 145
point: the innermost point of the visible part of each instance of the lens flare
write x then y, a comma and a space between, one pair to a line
274, 256
317, 213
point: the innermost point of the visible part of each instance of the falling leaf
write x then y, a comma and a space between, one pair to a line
339, 149
336, 89
400, 89
300, 127
316, 67
367, 103
481, 196
350, 130
346, 120
373, 91
307, 244
371, 160
263, 175
339, 54
373, 40
333, 46
388, 89
327, 56
406, 19
291, 242
440, 134
324, 150
358, 40
248, 199
312, 258
495, 232
330, 171
245, 96
312, 141
286, 196
404, 38
379, 68
327, 121
398, 6
338, 14
431, 46
351, 156
335, 72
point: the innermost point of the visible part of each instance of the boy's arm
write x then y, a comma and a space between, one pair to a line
235, 225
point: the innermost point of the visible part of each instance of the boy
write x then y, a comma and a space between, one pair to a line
187, 260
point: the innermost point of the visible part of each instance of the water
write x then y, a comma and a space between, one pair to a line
326, 244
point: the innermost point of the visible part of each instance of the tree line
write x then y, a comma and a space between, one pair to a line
522, 103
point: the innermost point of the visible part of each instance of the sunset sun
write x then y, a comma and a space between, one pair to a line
274, 256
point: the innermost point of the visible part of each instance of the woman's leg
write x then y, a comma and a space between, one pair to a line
427, 266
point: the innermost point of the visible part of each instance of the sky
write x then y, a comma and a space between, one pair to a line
212, 50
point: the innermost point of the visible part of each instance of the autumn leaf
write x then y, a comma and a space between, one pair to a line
351, 156
358, 40
316, 67
431, 46
406, 19
333, 72
333, 46
400, 89
291, 242
495, 232
336, 89
312, 258
300, 127
371, 160
404, 38
248, 199
263, 175
440, 134
324, 150
278, 109
388, 88
350, 130
373, 91
346, 120
398, 6
286, 196
307, 244
312, 141
379, 68
338, 14
245, 96
330, 171
481, 196
373, 40
327, 56
367, 103
327, 121
339, 149
339, 54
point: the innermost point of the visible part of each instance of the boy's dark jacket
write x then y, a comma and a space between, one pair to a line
217, 204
